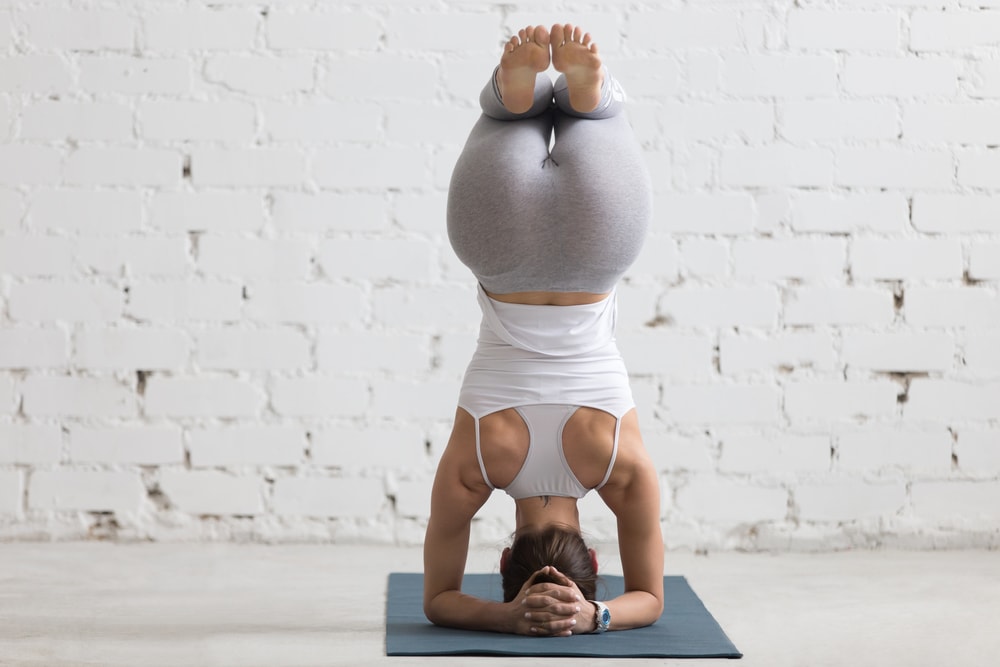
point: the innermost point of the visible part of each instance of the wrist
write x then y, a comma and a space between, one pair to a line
589, 611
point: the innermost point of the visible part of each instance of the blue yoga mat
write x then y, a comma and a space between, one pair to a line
686, 629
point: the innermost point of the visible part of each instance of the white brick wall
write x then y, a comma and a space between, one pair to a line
226, 288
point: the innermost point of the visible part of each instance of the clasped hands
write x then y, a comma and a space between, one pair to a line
550, 609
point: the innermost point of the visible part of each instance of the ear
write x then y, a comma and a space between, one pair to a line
504, 559
593, 559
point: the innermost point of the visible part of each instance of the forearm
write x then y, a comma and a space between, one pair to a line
634, 609
455, 609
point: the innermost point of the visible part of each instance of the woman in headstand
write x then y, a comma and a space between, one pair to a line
545, 410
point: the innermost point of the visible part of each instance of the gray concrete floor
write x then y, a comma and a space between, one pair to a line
207, 605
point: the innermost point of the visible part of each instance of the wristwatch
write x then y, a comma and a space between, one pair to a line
602, 617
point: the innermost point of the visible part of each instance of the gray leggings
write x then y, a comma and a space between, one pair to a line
573, 219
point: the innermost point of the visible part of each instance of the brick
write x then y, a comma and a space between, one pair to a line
704, 258
260, 444
201, 397
212, 492
742, 353
355, 122
335, 211
11, 493
646, 76
839, 306
953, 31
822, 212
295, 302
952, 123
674, 453
423, 123
11, 210
35, 256
904, 259
776, 165
721, 404
960, 502
373, 167
32, 348
262, 75
381, 259
9, 402
669, 354
94, 212
807, 259
173, 31
127, 348
33, 444
468, 32
978, 451
826, 120
894, 168
197, 121
343, 30
790, 76
64, 302
370, 447
843, 30
933, 399
413, 500
747, 454
134, 256
130, 75
895, 449
247, 167
123, 166
136, 445
29, 165
658, 260
721, 307
984, 79
95, 491
955, 212
695, 121
206, 211
319, 397
184, 301
47, 395
981, 356
329, 497
837, 400
418, 308
256, 350
363, 78
78, 30
368, 351
846, 499
684, 29
979, 169
405, 398
717, 500
899, 76
35, 73
82, 121
274, 259
952, 307
705, 214
452, 352
899, 352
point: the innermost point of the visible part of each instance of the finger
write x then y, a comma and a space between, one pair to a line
562, 627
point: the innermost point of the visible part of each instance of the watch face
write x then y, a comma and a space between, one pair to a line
605, 617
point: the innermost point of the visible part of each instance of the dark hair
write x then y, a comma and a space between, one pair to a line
560, 547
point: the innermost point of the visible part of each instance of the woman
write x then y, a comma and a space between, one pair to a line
545, 411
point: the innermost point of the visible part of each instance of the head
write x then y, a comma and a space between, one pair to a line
563, 548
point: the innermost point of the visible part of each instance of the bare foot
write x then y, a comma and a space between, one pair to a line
575, 55
524, 56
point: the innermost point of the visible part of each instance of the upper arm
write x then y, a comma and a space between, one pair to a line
455, 499
635, 501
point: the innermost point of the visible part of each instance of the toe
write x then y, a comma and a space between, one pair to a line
557, 35
541, 35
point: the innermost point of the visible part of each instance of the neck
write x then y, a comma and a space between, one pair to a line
541, 512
